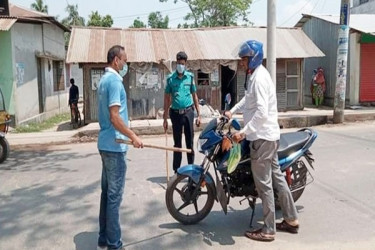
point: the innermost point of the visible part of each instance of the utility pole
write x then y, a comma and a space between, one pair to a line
271, 38
341, 64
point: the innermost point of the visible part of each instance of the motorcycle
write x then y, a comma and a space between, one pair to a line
192, 191
4, 125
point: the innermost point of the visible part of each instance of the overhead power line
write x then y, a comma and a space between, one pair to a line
298, 11
146, 14
314, 6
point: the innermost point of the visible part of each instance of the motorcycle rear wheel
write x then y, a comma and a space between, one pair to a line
299, 177
184, 208
4, 149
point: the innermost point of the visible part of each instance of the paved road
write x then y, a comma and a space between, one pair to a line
49, 199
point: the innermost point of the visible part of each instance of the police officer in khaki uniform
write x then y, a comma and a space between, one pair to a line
180, 98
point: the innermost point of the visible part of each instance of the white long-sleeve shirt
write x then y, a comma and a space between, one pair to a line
259, 107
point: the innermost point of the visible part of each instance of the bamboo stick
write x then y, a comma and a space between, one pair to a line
182, 150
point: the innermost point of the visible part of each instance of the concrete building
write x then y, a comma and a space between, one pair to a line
323, 31
32, 73
363, 7
211, 57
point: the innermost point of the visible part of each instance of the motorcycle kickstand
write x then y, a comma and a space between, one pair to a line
252, 205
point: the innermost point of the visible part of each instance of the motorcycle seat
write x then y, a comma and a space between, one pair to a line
291, 142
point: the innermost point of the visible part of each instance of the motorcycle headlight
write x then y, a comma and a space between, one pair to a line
200, 144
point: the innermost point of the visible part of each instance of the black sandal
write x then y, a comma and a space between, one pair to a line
285, 227
259, 236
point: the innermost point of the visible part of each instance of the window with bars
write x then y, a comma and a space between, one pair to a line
203, 79
58, 76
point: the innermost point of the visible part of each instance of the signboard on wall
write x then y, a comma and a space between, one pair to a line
20, 73
150, 79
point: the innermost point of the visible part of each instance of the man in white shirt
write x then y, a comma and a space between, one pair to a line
259, 107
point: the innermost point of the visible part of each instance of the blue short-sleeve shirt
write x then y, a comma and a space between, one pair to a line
111, 92
181, 90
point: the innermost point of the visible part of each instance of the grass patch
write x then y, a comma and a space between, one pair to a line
47, 124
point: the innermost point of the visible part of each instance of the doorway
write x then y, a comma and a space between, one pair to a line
41, 94
228, 86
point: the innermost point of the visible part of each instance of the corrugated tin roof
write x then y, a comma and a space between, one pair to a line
361, 22
21, 14
18, 11
90, 45
6, 23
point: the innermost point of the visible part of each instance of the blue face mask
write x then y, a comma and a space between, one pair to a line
180, 68
124, 70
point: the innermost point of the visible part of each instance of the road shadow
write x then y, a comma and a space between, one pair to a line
40, 158
86, 240
67, 126
161, 181
218, 227
50, 206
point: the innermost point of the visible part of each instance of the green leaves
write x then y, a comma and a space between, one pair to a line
156, 20
138, 24
73, 18
213, 13
40, 6
95, 19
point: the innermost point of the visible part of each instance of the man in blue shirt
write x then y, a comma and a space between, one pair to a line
113, 121
181, 92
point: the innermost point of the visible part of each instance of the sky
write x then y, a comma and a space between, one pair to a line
124, 12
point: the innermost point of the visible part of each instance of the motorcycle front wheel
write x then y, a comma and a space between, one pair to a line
4, 149
183, 205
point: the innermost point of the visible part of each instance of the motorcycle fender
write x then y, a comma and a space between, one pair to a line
194, 172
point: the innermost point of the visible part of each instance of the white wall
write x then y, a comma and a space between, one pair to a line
29, 41
26, 40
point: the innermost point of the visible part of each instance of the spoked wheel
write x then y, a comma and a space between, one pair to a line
299, 177
4, 149
298, 181
72, 118
186, 205
75, 118
79, 121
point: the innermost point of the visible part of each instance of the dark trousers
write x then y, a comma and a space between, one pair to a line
185, 122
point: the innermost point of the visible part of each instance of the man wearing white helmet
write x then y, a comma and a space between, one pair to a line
259, 107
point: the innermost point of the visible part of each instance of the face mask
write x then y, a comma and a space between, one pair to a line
124, 70
180, 68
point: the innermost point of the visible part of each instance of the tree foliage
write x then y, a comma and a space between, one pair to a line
213, 13
95, 19
137, 23
73, 18
156, 20
39, 5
